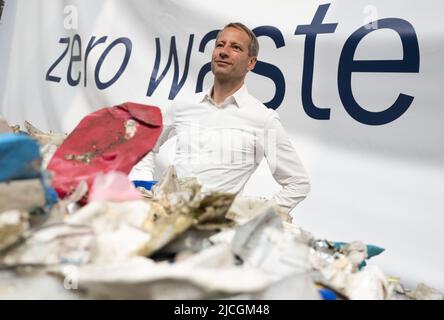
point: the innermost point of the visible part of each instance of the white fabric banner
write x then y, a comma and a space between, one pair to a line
356, 86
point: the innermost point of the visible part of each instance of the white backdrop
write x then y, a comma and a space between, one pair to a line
380, 183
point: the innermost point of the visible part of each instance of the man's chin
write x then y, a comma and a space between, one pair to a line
221, 75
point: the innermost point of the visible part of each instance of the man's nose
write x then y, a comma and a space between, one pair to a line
223, 53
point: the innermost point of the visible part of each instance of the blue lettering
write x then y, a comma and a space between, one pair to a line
175, 85
311, 31
409, 63
128, 47
271, 71
78, 57
50, 77
89, 47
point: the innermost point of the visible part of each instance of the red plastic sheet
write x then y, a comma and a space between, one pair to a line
114, 138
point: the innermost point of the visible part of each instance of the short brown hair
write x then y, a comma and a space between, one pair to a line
253, 48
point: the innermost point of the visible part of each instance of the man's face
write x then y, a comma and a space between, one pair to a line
230, 60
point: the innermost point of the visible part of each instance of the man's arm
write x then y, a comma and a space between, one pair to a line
285, 165
144, 169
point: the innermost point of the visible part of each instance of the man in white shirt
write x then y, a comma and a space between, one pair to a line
223, 134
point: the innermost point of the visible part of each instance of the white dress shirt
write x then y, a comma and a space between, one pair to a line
222, 145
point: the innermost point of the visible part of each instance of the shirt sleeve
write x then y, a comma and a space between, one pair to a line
144, 169
285, 165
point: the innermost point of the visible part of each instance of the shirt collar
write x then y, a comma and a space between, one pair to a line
237, 98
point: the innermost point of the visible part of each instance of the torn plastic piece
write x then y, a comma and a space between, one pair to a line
179, 205
12, 224
119, 228
19, 157
208, 274
49, 142
105, 141
368, 284
113, 186
263, 244
144, 184
327, 294
25, 195
44, 138
424, 292
245, 208
372, 251
51, 197
53, 245
297, 286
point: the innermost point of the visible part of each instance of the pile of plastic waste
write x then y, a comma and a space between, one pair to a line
107, 239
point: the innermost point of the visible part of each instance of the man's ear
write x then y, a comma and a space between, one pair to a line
251, 63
